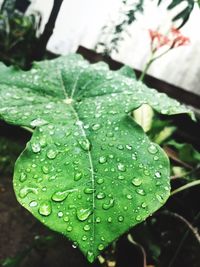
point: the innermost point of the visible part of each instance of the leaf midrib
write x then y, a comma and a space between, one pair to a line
88, 152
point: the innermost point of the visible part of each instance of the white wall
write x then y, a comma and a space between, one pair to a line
80, 22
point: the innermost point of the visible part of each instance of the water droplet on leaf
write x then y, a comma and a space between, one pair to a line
152, 149
108, 205
140, 192
77, 176
52, 153
121, 167
101, 195
136, 182
45, 208
85, 144
102, 159
120, 218
36, 147
86, 227
83, 214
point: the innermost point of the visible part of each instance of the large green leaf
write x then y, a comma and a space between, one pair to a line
89, 171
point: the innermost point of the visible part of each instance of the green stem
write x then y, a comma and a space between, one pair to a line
191, 228
194, 183
151, 60
27, 129
146, 68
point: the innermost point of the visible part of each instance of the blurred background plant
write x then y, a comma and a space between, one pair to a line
17, 33
20, 44
113, 33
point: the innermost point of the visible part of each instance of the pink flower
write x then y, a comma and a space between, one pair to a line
173, 39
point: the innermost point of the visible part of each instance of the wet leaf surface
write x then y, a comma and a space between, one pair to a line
89, 171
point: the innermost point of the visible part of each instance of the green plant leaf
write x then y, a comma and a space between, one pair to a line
127, 71
186, 152
89, 171
183, 14
144, 117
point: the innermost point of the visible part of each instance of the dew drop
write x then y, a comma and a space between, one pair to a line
86, 227
110, 134
129, 196
60, 214
102, 159
45, 169
157, 174
96, 127
146, 172
100, 181
101, 195
120, 147
160, 198
120, 218
33, 204
83, 214
109, 219
144, 205
77, 176
36, 147
23, 177
38, 122
134, 157
136, 182
108, 205
60, 195
85, 145
51, 153
84, 238
152, 149
140, 192
121, 177
98, 219
121, 167
156, 158
100, 247
75, 245
138, 218
24, 191
66, 218
69, 228
43, 142
45, 208
129, 147
89, 190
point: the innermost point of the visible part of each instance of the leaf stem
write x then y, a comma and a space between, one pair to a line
130, 238
27, 129
191, 228
184, 187
146, 67
150, 61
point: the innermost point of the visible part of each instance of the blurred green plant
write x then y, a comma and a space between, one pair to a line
113, 34
17, 37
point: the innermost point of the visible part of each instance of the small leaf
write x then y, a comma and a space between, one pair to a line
144, 117
186, 152
183, 14
128, 72
89, 171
